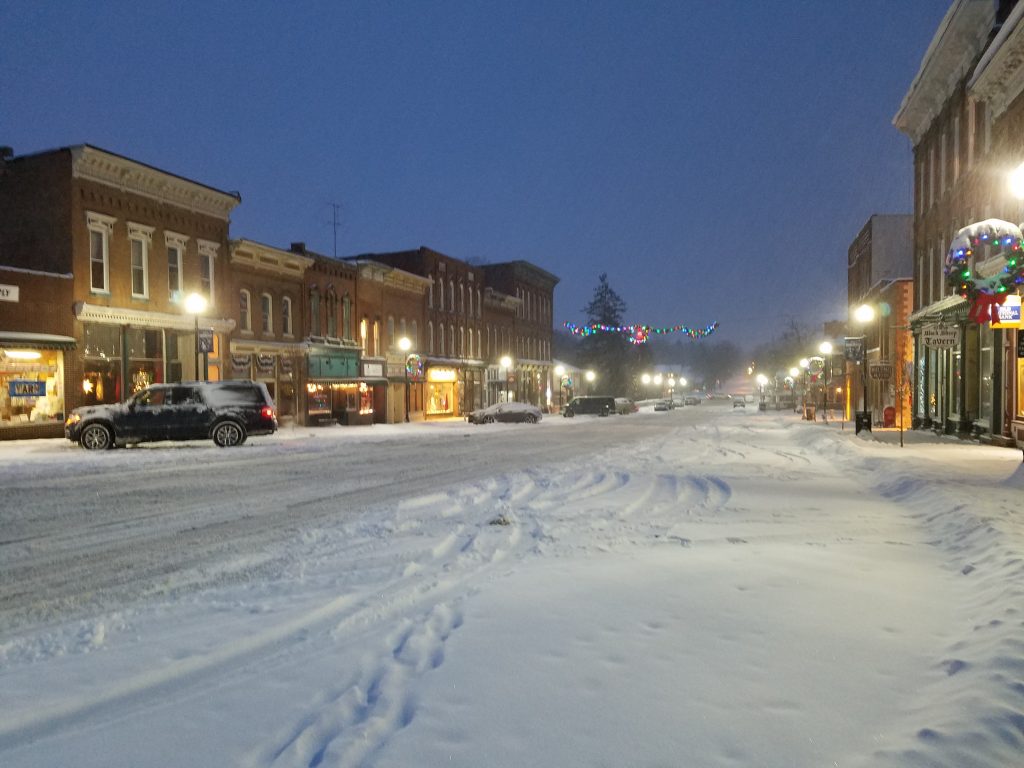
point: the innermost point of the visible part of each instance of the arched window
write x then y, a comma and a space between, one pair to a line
244, 311
414, 335
267, 313
440, 293
286, 316
430, 296
451, 340
479, 344
451, 296
462, 298
314, 311
364, 334
479, 303
440, 339
462, 341
430, 338
332, 312
346, 317
376, 338
392, 341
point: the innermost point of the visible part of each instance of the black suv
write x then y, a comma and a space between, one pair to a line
225, 411
590, 404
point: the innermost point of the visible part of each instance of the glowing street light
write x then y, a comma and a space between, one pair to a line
405, 345
590, 376
863, 315
195, 304
506, 363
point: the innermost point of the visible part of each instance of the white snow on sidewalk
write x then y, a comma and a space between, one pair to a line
732, 589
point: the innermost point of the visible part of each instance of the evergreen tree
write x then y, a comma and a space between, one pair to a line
609, 354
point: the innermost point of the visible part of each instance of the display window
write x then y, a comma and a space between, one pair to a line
440, 399
31, 386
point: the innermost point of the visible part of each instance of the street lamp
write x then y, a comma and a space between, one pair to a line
195, 304
405, 345
506, 363
863, 315
590, 376
671, 389
560, 373
762, 381
826, 349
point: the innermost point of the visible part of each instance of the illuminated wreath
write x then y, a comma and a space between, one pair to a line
638, 334
985, 263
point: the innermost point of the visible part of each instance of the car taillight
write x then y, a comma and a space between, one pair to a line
267, 412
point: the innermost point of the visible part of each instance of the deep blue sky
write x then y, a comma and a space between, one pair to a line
716, 159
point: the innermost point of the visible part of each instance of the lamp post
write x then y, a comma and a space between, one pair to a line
671, 390
405, 345
560, 373
863, 315
590, 376
826, 349
506, 363
793, 373
762, 381
195, 304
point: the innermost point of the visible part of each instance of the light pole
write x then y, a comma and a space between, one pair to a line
195, 304
671, 390
793, 373
590, 376
762, 381
506, 363
826, 349
864, 314
405, 345
560, 373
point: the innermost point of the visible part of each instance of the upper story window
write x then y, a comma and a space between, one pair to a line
332, 312
440, 339
462, 298
364, 332
376, 338
391, 339
430, 338
346, 317
414, 335
440, 293
451, 295
430, 296
100, 228
175, 245
244, 310
314, 311
207, 256
267, 313
478, 303
140, 238
286, 315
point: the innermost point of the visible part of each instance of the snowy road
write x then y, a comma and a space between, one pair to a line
702, 587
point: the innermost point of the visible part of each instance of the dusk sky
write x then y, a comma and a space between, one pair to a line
716, 159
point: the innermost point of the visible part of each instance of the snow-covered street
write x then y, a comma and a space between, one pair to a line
702, 587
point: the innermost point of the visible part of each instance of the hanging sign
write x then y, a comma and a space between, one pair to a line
940, 336
9, 293
1009, 313
880, 371
854, 348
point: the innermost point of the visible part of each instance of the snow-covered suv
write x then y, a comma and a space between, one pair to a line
225, 411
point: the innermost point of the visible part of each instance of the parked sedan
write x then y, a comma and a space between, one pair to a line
623, 405
506, 412
691, 400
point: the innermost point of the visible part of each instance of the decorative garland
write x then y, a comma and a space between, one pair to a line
1002, 239
638, 334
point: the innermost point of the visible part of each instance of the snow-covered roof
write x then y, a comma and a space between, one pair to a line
999, 77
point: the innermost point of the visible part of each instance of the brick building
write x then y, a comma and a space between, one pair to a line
128, 242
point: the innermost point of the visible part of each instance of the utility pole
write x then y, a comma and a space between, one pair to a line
335, 207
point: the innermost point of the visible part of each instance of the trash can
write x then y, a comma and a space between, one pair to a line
809, 412
762, 406
863, 421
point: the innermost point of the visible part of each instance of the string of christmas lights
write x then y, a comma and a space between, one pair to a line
638, 334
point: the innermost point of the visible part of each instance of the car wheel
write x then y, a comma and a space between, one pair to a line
96, 437
530, 418
487, 420
228, 433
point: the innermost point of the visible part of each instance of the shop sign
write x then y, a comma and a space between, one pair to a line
240, 365
441, 374
373, 370
880, 371
9, 293
206, 340
265, 364
940, 336
1009, 313
26, 388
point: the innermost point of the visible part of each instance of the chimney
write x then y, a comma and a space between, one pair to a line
298, 248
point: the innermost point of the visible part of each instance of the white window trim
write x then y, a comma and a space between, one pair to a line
104, 226
143, 235
246, 317
266, 313
175, 291
286, 316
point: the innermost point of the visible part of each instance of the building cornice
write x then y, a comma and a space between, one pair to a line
95, 313
94, 164
267, 259
999, 77
960, 38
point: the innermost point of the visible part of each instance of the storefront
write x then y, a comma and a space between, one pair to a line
441, 393
273, 364
32, 384
334, 390
124, 351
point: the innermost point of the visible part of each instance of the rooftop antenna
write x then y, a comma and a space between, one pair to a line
334, 224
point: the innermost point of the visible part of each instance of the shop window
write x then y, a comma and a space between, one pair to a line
31, 386
145, 358
207, 254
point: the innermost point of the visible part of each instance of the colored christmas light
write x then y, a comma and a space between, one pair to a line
639, 334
